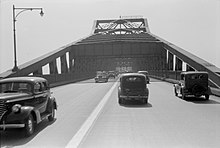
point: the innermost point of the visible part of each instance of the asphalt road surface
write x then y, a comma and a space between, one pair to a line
89, 116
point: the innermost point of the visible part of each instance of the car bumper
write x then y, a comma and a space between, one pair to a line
133, 97
197, 93
6, 126
101, 80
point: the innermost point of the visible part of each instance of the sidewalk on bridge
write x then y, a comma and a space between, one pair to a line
215, 91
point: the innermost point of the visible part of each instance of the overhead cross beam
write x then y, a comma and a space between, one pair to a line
121, 26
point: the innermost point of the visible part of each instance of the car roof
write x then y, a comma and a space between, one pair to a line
132, 74
143, 71
194, 72
23, 79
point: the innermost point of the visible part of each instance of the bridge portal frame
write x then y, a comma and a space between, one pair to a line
70, 67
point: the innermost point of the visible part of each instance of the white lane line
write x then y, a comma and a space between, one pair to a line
78, 137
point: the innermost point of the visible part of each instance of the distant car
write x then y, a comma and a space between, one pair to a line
146, 74
111, 74
193, 84
101, 76
25, 102
133, 87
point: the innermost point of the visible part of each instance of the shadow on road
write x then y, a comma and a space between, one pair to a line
136, 104
201, 100
15, 137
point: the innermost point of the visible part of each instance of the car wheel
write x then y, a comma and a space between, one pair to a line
52, 116
183, 96
29, 126
145, 101
120, 100
176, 94
207, 97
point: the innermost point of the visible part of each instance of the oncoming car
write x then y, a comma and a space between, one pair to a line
133, 87
193, 83
25, 102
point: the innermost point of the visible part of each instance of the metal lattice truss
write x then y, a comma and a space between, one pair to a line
121, 26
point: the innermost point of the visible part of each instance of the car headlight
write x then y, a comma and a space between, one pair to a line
16, 108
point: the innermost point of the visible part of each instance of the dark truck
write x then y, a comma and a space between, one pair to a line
193, 83
25, 102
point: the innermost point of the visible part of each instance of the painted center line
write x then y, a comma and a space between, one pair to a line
78, 137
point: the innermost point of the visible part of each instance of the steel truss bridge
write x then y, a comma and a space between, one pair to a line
122, 44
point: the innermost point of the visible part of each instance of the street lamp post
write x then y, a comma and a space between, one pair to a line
15, 68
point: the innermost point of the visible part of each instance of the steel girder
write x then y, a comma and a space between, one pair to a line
121, 26
193, 62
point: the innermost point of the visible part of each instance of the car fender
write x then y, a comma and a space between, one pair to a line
119, 91
147, 92
51, 102
178, 88
23, 114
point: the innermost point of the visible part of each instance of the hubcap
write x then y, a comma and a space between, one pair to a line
53, 113
30, 125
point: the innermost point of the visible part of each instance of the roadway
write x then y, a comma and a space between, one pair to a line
89, 116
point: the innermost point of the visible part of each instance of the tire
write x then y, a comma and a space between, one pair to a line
145, 101
29, 126
183, 96
52, 116
176, 94
120, 100
206, 97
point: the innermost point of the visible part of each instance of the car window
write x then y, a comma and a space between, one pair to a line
193, 77
134, 81
24, 87
43, 86
201, 76
182, 77
37, 87
15, 87
6, 87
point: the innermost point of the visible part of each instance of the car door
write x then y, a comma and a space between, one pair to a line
41, 95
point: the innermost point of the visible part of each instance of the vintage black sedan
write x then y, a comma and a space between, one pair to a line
25, 102
193, 83
133, 86
146, 74
101, 76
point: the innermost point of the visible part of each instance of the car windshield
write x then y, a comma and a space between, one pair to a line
197, 77
15, 87
133, 82
101, 74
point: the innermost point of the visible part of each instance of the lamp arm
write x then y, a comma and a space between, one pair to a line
21, 12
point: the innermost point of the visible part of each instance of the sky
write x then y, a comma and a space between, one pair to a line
193, 25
